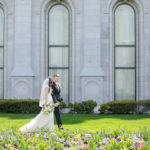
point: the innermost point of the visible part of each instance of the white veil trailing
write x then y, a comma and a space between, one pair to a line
42, 100
42, 120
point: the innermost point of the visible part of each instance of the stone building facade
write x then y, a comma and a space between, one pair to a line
101, 48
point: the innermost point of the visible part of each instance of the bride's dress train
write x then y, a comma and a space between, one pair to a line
42, 120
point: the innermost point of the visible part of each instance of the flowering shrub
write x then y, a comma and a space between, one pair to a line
64, 139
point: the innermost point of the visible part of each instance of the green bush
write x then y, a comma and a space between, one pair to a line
89, 106
62, 105
125, 106
70, 105
32, 106
83, 107
78, 107
142, 106
20, 106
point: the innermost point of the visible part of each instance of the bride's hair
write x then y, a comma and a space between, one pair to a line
50, 83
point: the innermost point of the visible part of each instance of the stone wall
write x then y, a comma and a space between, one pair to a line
91, 74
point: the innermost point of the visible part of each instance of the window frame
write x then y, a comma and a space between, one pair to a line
61, 46
2, 46
133, 46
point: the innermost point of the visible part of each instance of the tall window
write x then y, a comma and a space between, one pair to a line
125, 53
1, 53
59, 47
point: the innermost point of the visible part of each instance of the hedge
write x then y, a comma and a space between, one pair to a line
62, 105
28, 106
20, 106
116, 107
126, 107
83, 107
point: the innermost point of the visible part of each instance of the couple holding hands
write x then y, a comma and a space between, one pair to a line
49, 101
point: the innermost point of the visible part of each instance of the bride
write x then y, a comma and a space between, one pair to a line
42, 120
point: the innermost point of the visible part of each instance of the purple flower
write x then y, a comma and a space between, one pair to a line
112, 137
136, 144
68, 142
80, 147
119, 140
15, 139
45, 137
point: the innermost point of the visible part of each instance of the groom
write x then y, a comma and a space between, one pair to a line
56, 98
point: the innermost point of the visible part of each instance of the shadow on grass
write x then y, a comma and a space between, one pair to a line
76, 118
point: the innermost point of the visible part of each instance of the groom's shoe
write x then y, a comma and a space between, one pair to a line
61, 127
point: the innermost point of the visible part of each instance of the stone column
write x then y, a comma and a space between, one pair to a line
92, 73
22, 73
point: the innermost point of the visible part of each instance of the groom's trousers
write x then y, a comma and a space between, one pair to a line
57, 115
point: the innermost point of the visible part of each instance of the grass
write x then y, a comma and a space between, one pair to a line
88, 122
113, 132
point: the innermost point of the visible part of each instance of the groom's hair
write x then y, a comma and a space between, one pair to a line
55, 75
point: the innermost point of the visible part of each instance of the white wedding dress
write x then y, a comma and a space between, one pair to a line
42, 120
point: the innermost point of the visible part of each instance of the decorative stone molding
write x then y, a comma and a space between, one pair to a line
112, 3
92, 88
21, 88
58, 1
124, 1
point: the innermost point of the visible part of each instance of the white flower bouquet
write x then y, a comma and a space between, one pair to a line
48, 108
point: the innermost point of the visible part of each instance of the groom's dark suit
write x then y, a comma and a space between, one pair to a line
56, 99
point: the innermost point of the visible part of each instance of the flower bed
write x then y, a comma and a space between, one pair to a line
65, 139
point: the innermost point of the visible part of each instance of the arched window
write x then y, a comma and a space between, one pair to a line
58, 48
1, 53
125, 52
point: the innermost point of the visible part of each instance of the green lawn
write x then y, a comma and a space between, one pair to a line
89, 122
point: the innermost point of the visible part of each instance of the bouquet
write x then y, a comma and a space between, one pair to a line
48, 108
